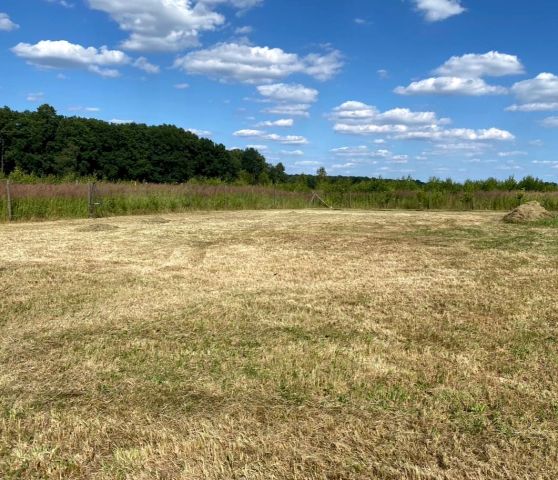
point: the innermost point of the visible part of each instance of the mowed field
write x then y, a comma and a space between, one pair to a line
279, 345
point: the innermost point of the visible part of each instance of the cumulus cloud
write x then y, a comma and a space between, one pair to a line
357, 118
283, 92
539, 94
166, 25
6, 24
290, 98
361, 151
282, 122
234, 62
357, 113
63, 54
200, 133
292, 153
451, 86
514, 153
437, 10
463, 75
296, 110
468, 134
143, 64
533, 107
260, 134
472, 65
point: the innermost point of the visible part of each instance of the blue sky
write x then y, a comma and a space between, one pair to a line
448, 88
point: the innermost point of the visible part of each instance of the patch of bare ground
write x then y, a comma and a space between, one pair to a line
280, 345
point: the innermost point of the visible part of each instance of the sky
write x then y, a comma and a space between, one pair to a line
391, 88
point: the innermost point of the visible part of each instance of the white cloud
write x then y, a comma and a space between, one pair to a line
182, 86
357, 113
243, 30
64, 3
457, 134
307, 163
292, 153
234, 62
534, 107
35, 97
298, 110
143, 64
473, 65
451, 86
200, 133
357, 118
515, 153
6, 24
165, 25
437, 10
463, 76
84, 109
286, 140
63, 54
543, 89
258, 147
383, 73
550, 122
283, 122
118, 121
283, 92
361, 151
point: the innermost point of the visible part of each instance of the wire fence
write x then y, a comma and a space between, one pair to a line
19, 202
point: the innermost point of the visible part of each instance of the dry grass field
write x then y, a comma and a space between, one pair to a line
270, 345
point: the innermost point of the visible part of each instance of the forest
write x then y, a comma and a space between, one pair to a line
44, 143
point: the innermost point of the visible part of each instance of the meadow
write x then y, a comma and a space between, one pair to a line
279, 344
51, 201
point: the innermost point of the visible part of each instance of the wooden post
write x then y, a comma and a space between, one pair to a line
9, 200
90, 200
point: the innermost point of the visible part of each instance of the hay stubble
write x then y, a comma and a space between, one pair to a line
278, 345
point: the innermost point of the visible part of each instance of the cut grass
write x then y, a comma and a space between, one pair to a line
279, 345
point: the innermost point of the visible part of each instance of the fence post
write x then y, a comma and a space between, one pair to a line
91, 199
9, 200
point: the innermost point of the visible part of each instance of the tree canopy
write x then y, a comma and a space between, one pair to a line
45, 143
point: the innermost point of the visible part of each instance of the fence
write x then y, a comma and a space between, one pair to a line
53, 201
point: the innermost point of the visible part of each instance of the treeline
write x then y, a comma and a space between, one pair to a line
341, 184
44, 143
44, 146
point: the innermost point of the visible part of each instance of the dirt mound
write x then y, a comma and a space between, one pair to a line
156, 220
528, 212
98, 227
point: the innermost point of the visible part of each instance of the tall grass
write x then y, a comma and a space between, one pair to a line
70, 200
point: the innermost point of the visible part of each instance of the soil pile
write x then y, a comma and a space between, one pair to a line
528, 212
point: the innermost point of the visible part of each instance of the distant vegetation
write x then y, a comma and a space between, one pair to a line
43, 146
147, 169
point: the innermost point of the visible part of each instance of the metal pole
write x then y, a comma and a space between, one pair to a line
9, 198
